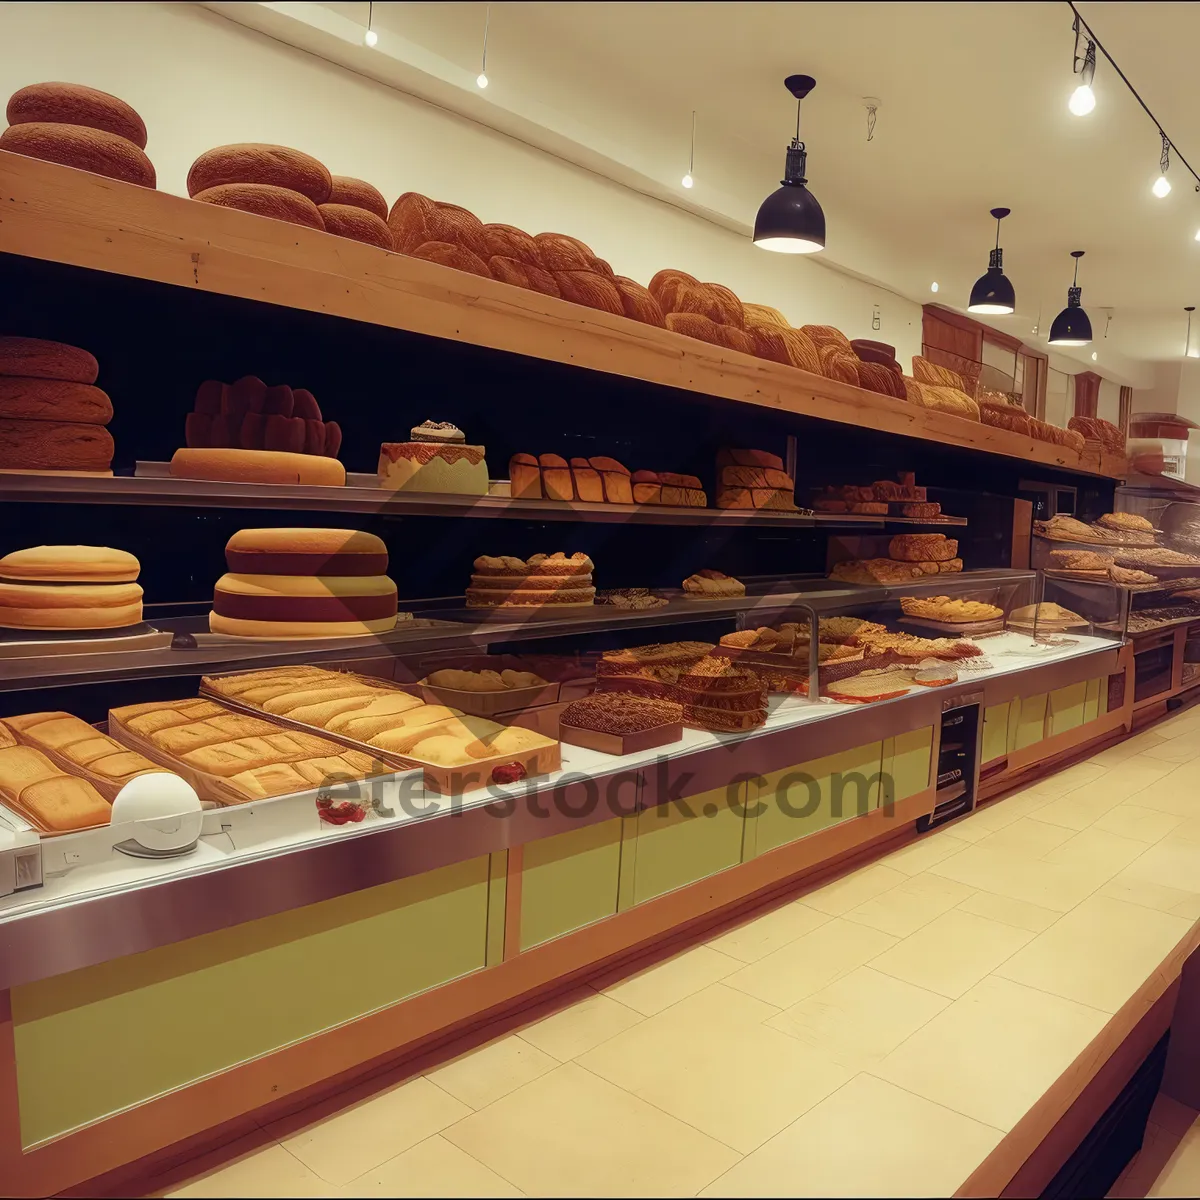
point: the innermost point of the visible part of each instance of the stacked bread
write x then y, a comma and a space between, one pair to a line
437, 459
652, 670
753, 479
52, 417
878, 370
720, 697
705, 311
543, 580
358, 211
272, 181
80, 127
712, 585
598, 480
69, 588
666, 487
878, 499
304, 583
776, 340
837, 357
1093, 429
910, 556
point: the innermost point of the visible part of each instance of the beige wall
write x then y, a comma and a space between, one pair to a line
199, 81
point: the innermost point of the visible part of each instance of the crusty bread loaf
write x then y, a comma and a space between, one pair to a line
709, 300
33, 357
450, 255
358, 193
877, 378
588, 485
507, 241
735, 456
1005, 416
525, 477
869, 353
561, 252
255, 162
764, 314
350, 221
415, 220
74, 104
837, 363
770, 343
828, 335
54, 446
705, 330
93, 150
802, 351
257, 466
264, 200
1073, 440
638, 303
1095, 429
666, 286
29, 399
524, 275
925, 371
922, 547
592, 289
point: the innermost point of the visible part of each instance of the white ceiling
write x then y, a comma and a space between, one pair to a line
973, 115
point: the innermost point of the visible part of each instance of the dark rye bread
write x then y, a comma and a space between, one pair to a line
54, 446
53, 400
37, 358
93, 150
350, 221
358, 193
264, 200
253, 162
74, 104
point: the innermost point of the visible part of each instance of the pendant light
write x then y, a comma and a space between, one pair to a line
790, 220
1071, 327
688, 181
993, 294
1190, 351
370, 37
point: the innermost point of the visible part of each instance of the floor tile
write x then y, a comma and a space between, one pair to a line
859, 1019
1177, 793
1145, 1166
952, 953
811, 962
851, 890
571, 1133
1078, 810
1141, 824
910, 905
710, 1061
1095, 849
434, 1167
762, 935
1018, 913
993, 1053
1146, 893
1029, 835
263, 1171
364, 1136
927, 849
489, 1072
1069, 779
1181, 1174
1171, 863
1178, 750
1098, 954
1169, 1114
1048, 885
999, 813
869, 1138
658, 987
591, 1018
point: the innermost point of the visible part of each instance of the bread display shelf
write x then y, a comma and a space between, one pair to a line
70, 216
620, 743
957, 628
489, 704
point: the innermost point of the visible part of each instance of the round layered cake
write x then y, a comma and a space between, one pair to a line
306, 552
69, 588
437, 459
543, 580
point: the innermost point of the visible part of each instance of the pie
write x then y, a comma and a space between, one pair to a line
943, 608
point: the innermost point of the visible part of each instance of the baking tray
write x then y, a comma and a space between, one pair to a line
488, 704
621, 743
17, 643
956, 628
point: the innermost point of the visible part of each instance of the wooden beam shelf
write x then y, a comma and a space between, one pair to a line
69, 216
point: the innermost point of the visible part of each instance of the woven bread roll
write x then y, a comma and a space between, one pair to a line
836, 363
769, 343
416, 220
803, 353
925, 371
254, 162
1095, 429
506, 241
764, 314
525, 275
828, 335
709, 300
949, 400
53, 400
74, 104
695, 326
39, 359
638, 303
1073, 440
458, 257
93, 150
592, 289
561, 252
1005, 416
666, 285
345, 189
967, 370
350, 221
264, 200
877, 378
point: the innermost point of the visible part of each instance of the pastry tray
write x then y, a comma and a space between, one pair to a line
488, 704
621, 743
31, 643
956, 628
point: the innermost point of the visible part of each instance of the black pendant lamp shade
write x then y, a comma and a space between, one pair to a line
790, 220
1072, 327
993, 293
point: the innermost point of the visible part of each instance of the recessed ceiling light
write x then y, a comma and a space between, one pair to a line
1094, 356
933, 287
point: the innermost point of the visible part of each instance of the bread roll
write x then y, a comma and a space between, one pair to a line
525, 275
877, 378
769, 343
666, 286
53, 400
255, 162
33, 357
257, 466
828, 335
350, 221
92, 150
415, 220
710, 300
74, 104
617, 487
561, 252
337, 552
69, 564
591, 289
54, 446
51, 800
638, 303
264, 200
588, 485
803, 353
345, 189
764, 315
52, 606
449, 255
525, 477
837, 363
506, 241
694, 325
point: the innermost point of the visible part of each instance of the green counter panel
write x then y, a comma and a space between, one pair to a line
995, 731
678, 844
569, 880
101, 1039
907, 762
1031, 721
811, 796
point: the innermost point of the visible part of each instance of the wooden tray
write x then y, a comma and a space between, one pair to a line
488, 704
956, 628
620, 743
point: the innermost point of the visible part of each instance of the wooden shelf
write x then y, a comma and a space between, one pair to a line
69, 216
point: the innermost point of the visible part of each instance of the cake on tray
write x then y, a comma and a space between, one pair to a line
437, 459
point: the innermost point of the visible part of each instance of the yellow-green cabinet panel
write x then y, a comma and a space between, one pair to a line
907, 763
1096, 688
995, 731
1065, 708
1031, 721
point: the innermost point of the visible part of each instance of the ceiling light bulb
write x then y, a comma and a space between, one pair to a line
1082, 101
482, 80
1162, 185
1094, 356
370, 38
688, 180
933, 287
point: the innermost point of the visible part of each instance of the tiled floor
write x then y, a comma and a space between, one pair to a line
929, 998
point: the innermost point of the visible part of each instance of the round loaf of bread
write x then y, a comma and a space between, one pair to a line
69, 606
54, 446
590, 289
349, 221
415, 221
561, 252
31, 399
358, 193
524, 275
638, 303
257, 466
450, 255
341, 552
74, 104
710, 300
307, 599
33, 357
506, 241
828, 335
70, 564
666, 286
254, 162
265, 200
764, 314
769, 343
93, 150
